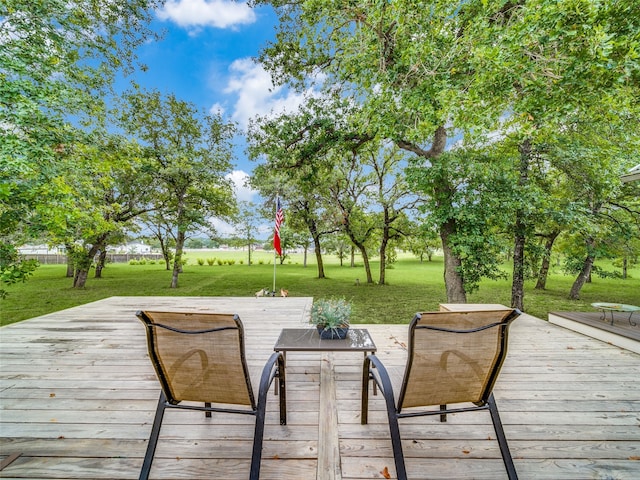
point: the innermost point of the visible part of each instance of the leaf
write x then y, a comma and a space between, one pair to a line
385, 473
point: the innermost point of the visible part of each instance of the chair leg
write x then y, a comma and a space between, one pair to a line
153, 439
256, 454
502, 439
364, 397
443, 416
387, 391
274, 362
207, 405
282, 389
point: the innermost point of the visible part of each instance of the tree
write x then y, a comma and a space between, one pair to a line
191, 153
299, 166
393, 197
107, 184
519, 71
246, 224
58, 59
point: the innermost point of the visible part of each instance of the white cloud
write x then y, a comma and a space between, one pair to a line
207, 13
217, 109
256, 94
243, 192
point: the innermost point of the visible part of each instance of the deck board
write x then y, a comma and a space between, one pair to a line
77, 396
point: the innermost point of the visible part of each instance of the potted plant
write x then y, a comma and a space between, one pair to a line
331, 317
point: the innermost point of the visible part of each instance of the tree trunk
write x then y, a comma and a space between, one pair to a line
100, 265
365, 260
304, 258
318, 251
164, 248
383, 255
80, 278
585, 273
624, 267
546, 260
70, 266
177, 261
353, 256
520, 227
453, 281
517, 284
83, 262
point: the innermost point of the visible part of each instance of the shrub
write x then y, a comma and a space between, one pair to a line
211, 261
200, 261
133, 262
220, 261
231, 262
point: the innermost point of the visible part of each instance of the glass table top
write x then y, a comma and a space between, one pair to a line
308, 339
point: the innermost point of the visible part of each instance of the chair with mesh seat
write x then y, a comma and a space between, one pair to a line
454, 358
199, 358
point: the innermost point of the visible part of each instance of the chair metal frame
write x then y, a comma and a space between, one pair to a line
382, 380
274, 368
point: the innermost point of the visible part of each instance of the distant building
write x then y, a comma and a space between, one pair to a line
132, 247
41, 250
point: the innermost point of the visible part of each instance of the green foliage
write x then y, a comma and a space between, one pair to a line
200, 261
330, 313
13, 269
58, 59
211, 261
191, 153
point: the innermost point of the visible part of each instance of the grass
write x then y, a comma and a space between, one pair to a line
412, 286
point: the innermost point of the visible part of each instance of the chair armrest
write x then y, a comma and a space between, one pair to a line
274, 367
382, 380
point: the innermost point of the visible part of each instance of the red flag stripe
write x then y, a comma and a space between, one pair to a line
276, 235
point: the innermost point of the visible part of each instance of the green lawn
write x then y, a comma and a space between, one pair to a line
412, 286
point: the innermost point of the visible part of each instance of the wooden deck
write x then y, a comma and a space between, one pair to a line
77, 397
621, 332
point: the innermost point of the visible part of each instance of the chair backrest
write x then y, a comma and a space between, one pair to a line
454, 357
199, 357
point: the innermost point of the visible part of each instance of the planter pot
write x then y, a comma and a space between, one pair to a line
337, 333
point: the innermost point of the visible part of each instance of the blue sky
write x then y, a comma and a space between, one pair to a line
205, 57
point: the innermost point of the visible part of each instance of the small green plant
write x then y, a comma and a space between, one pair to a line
220, 262
211, 261
330, 313
200, 261
231, 262
133, 262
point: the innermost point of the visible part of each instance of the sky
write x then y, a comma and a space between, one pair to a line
206, 57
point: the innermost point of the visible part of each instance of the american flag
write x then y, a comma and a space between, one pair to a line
279, 220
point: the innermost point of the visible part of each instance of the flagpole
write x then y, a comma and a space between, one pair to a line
275, 256
275, 252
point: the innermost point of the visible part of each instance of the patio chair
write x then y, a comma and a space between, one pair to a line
453, 358
199, 357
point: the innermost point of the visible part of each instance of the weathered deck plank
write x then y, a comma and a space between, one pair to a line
77, 396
